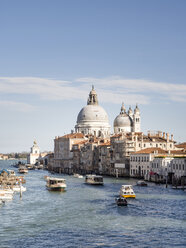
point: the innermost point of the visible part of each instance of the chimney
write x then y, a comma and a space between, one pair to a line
167, 137
171, 137
148, 134
164, 135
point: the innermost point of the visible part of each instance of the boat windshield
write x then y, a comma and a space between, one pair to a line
98, 179
56, 181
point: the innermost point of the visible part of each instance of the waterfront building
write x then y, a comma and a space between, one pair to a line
87, 157
63, 154
3, 157
156, 164
34, 154
178, 166
92, 149
47, 160
102, 158
93, 119
127, 122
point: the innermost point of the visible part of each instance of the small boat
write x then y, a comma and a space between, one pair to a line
94, 179
11, 172
121, 201
6, 194
19, 188
23, 170
78, 176
127, 191
141, 183
30, 166
56, 184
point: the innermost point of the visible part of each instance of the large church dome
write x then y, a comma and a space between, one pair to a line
92, 113
93, 119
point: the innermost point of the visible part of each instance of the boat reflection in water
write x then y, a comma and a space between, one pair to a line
94, 179
56, 184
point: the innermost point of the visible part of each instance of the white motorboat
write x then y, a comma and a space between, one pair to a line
78, 176
141, 183
7, 191
127, 191
19, 188
6, 194
94, 179
56, 184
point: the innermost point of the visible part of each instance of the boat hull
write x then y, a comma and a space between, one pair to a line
129, 196
94, 183
61, 189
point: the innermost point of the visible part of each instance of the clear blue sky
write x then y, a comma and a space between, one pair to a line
51, 52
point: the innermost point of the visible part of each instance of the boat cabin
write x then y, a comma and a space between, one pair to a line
94, 179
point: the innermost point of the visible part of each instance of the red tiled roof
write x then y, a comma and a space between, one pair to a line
73, 136
151, 150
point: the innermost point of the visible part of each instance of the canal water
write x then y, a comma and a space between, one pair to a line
87, 216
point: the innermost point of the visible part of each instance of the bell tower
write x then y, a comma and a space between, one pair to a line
136, 120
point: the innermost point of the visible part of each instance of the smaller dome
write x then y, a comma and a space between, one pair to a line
123, 120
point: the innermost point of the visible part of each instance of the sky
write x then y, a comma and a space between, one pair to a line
52, 52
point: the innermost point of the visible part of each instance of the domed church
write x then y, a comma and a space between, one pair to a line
93, 119
127, 122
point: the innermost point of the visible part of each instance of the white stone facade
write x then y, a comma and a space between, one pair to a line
34, 154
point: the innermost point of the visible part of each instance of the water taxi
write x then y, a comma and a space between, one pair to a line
56, 184
127, 191
94, 179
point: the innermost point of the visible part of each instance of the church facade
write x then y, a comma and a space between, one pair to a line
93, 119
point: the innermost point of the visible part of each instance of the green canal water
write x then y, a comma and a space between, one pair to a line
87, 216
